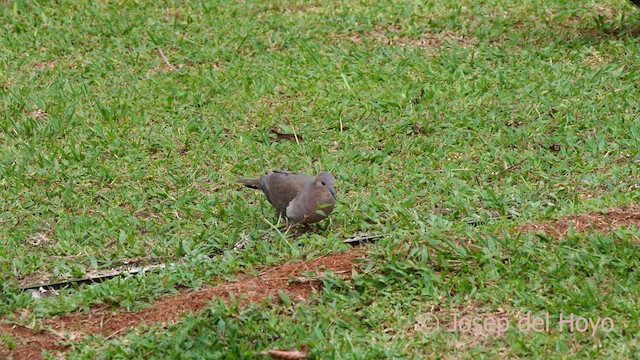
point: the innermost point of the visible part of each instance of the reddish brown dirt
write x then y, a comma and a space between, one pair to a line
602, 222
100, 320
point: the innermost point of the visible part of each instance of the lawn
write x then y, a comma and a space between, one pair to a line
458, 130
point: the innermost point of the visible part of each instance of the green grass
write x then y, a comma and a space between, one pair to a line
129, 161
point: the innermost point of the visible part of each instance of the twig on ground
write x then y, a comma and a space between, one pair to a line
363, 239
97, 278
166, 61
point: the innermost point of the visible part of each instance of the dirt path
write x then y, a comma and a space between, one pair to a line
112, 324
599, 222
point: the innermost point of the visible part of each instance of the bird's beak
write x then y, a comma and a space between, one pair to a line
333, 192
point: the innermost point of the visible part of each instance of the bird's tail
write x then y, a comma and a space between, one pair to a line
251, 183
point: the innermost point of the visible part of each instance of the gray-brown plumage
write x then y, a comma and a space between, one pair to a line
298, 197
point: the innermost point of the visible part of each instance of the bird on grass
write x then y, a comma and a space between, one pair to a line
300, 198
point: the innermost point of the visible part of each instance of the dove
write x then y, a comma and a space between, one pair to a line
299, 197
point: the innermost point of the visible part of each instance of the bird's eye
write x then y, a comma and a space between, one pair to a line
323, 183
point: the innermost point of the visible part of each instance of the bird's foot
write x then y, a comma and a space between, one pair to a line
309, 228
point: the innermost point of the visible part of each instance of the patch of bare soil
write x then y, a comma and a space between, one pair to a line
393, 35
46, 65
29, 343
433, 41
601, 222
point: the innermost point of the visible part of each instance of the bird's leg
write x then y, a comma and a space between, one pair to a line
311, 228
288, 225
282, 219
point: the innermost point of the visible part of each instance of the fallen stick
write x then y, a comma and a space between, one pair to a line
363, 239
99, 277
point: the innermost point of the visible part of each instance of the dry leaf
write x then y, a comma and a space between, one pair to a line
417, 99
38, 114
419, 129
282, 136
513, 123
441, 211
241, 244
43, 293
38, 239
287, 354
